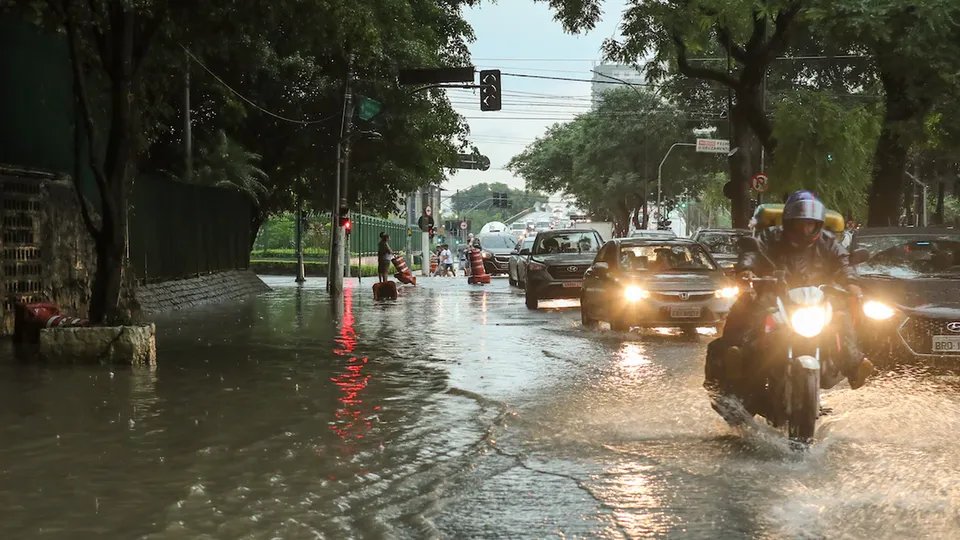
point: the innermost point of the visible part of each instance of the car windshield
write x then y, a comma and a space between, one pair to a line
724, 244
574, 242
664, 258
906, 257
497, 241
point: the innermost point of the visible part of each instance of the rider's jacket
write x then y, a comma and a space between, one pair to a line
826, 261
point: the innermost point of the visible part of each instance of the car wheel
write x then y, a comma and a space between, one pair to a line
531, 299
619, 326
513, 282
585, 319
689, 331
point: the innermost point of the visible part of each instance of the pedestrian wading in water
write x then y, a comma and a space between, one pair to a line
384, 257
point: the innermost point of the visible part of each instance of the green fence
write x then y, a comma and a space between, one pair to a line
180, 230
365, 234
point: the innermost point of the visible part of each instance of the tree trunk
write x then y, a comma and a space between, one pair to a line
890, 158
741, 169
119, 57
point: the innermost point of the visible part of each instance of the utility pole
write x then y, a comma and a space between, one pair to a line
299, 239
335, 257
187, 124
344, 190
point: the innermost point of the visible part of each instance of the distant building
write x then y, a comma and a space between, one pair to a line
601, 84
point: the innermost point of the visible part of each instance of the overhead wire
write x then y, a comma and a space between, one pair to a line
251, 102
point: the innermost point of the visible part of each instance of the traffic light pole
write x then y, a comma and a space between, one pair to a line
335, 257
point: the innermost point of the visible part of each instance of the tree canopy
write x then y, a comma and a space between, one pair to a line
905, 53
607, 159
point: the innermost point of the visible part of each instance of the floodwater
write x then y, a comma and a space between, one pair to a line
451, 413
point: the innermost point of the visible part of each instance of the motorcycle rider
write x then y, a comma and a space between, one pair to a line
810, 256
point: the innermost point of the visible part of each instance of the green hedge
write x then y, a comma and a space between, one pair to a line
288, 253
310, 268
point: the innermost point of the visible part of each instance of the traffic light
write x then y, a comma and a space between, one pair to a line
490, 90
432, 231
343, 218
500, 200
829, 156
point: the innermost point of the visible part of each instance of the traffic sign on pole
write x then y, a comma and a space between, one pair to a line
463, 225
760, 182
713, 146
427, 211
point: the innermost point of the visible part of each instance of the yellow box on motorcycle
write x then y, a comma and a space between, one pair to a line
771, 215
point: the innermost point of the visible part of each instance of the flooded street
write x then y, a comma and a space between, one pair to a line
453, 412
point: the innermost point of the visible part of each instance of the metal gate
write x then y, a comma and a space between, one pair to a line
20, 211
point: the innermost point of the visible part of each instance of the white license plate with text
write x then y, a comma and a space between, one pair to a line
946, 344
572, 284
685, 312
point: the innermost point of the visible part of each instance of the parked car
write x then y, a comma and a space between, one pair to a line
911, 284
656, 282
557, 261
517, 267
495, 249
722, 244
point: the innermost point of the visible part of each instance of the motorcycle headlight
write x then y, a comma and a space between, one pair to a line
809, 321
877, 311
635, 294
727, 292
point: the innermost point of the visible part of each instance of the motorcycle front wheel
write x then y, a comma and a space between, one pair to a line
805, 406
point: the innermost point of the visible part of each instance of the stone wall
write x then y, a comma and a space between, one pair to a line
206, 289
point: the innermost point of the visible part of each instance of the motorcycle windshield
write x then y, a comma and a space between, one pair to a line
806, 296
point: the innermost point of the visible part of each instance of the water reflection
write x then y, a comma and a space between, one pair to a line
350, 422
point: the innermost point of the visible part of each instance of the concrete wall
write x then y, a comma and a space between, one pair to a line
211, 288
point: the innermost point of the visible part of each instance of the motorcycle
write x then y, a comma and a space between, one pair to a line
791, 358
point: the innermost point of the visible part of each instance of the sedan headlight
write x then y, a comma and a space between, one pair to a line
534, 266
727, 292
635, 294
877, 311
485, 254
809, 321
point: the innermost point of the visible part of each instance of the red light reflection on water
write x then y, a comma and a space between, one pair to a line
350, 422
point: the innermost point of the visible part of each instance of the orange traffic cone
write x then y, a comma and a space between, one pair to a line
433, 263
477, 273
404, 275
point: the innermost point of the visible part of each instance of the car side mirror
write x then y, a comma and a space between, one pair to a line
525, 251
600, 268
859, 256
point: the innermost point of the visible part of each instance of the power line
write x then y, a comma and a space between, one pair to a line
251, 103
547, 77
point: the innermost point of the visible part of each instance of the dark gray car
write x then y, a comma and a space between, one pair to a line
722, 244
495, 250
557, 262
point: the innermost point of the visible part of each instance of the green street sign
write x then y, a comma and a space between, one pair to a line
369, 108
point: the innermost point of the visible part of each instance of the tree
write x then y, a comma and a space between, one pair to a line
606, 159
827, 147
914, 49
751, 32
476, 203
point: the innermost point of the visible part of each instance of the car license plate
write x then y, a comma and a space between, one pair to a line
572, 284
946, 344
685, 312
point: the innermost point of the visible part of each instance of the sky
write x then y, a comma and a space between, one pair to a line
521, 37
